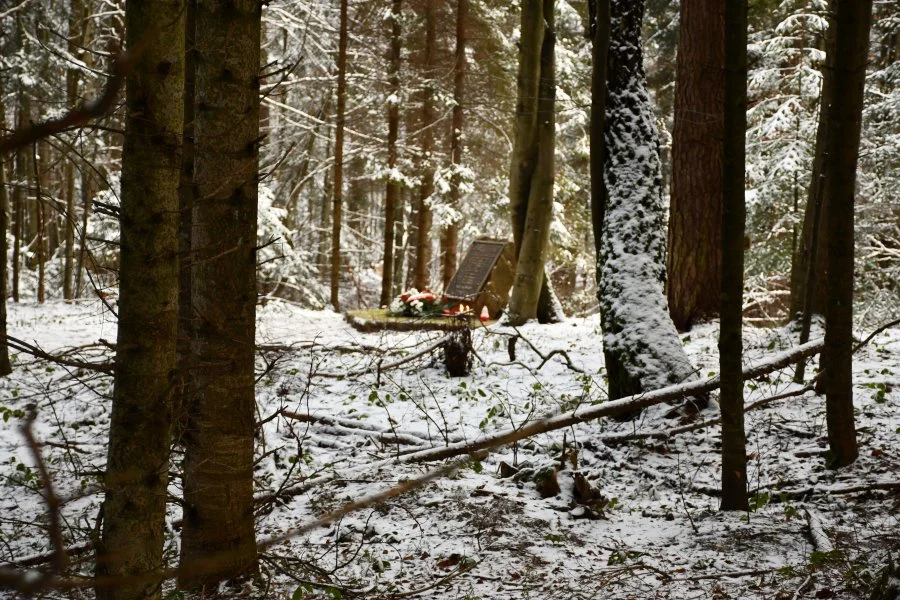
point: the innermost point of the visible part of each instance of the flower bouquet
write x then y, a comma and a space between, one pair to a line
413, 303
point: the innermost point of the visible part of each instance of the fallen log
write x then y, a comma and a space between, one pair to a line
614, 407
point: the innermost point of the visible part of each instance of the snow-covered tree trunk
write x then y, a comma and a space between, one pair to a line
641, 346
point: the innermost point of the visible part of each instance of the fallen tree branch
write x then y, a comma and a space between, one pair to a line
664, 434
23, 346
380, 368
820, 539
614, 407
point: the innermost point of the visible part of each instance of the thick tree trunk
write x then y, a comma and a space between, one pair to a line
525, 153
529, 278
218, 462
422, 271
695, 242
392, 194
450, 233
338, 196
848, 64
186, 195
641, 346
138, 457
732, 157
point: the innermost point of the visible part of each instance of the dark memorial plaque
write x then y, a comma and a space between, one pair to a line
475, 269
484, 277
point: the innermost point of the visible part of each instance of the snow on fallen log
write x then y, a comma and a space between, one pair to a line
820, 539
614, 407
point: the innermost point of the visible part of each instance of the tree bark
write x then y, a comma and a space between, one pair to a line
5, 367
186, 196
338, 196
392, 194
450, 234
641, 346
809, 291
218, 461
525, 153
598, 29
422, 270
20, 192
848, 65
76, 13
529, 278
695, 237
134, 508
732, 221
39, 223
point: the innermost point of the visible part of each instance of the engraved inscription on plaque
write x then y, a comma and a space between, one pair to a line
475, 269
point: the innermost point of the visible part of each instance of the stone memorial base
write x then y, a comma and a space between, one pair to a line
378, 319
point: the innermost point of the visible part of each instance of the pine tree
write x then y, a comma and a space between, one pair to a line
137, 467
218, 459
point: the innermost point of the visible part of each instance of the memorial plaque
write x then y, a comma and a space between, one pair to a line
484, 277
475, 269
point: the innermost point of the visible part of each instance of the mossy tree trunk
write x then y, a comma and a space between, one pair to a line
526, 155
641, 346
535, 232
392, 194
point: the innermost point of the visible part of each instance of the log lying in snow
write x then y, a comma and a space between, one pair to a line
614, 407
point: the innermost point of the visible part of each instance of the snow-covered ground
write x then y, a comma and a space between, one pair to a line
652, 531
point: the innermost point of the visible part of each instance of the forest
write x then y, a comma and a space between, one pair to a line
467, 299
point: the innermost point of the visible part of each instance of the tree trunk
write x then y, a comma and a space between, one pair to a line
218, 461
732, 220
338, 196
136, 478
450, 234
186, 195
641, 346
598, 28
72, 77
86, 195
20, 193
422, 273
392, 194
529, 278
848, 65
5, 367
525, 152
695, 243
39, 222
809, 290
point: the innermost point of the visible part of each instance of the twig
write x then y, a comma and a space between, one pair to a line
80, 115
23, 346
386, 367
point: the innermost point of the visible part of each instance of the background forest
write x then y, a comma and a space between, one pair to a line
59, 54
216, 182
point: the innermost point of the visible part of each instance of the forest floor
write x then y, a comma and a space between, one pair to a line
650, 528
